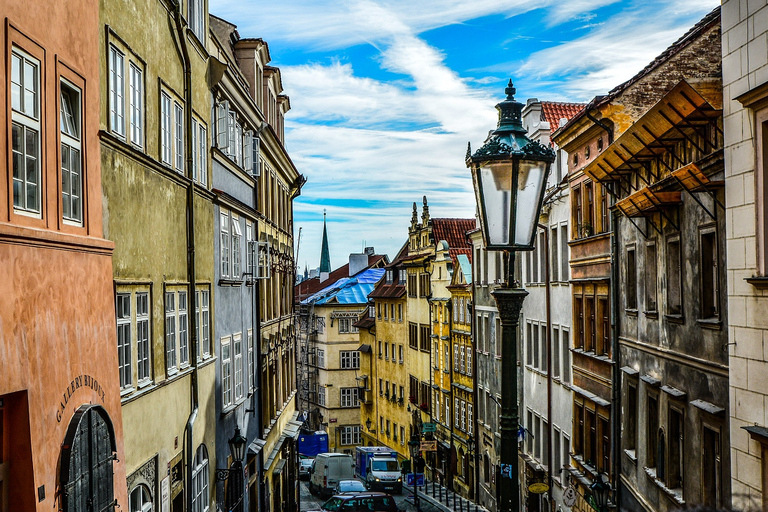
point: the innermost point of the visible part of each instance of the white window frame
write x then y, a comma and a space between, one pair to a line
237, 237
226, 372
27, 121
224, 250
70, 131
321, 396
202, 325
116, 91
123, 314
136, 104
178, 135
320, 358
201, 500
166, 128
171, 364
250, 363
196, 15
237, 345
183, 327
348, 397
143, 346
350, 359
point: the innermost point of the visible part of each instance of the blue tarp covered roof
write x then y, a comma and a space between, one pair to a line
348, 290
466, 267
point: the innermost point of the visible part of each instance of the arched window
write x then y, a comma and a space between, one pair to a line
140, 500
201, 499
87, 455
460, 465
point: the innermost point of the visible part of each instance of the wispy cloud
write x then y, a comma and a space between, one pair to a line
372, 140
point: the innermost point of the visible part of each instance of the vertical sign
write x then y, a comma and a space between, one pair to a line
165, 494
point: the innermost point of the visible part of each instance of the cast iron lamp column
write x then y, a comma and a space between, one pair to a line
509, 174
234, 475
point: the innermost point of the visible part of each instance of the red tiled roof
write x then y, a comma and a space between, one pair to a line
554, 111
387, 291
454, 231
306, 288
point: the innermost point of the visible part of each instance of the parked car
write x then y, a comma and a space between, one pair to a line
350, 487
364, 502
304, 465
329, 469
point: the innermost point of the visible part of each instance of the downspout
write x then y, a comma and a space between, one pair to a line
191, 270
548, 284
475, 430
616, 380
607, 129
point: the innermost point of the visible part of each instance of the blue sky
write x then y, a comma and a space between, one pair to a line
386, 94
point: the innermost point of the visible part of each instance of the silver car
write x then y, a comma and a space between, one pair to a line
349, 487
304, 465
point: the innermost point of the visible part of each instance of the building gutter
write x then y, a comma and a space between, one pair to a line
191, 270
616, 371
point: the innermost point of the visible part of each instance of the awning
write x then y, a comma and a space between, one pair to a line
591, 396
279, 467
256, 446
674, 392
646, 201
693, 179
365, 348
711, 408
682, 115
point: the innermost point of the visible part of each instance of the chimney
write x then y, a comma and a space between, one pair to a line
324, 276
369, 251
357, 263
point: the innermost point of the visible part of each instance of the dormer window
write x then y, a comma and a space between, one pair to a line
600, 144
586, 152
575, 160
389, 276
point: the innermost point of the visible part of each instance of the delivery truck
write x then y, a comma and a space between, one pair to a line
377, 466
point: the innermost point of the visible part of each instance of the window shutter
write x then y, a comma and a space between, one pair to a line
222, 126
247, 151
256, 165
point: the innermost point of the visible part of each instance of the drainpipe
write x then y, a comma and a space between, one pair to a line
548, 284
475, 430
607, 129
616, 377
191, 271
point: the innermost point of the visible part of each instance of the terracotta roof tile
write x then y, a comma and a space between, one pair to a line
454, 231
554, 111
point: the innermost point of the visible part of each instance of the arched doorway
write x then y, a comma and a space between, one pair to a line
86, 461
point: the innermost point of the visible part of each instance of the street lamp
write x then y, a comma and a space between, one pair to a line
414, 446
234, 474
509, 174
368, 424
601, 491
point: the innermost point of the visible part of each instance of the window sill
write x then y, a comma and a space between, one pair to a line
675, 319
758, 281
632, 455
675, 495
225, 281
713, 323
651, 314
631, 311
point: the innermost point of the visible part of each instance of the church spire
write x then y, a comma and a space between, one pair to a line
325, 253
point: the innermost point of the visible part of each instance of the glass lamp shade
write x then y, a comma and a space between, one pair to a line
600, 490
509, 194
237, 446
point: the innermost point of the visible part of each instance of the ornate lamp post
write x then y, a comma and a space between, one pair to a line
601, 491
414, 445
509, 174
234, 475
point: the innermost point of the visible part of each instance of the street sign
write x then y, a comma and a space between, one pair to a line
429, 427
538, 488
428, 446
569, 497
418, 478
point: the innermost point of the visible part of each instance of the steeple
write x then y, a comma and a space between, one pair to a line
325, 253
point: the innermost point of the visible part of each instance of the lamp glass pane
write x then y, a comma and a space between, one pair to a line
530, 182
495, 180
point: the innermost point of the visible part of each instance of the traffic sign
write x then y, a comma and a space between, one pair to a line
418, 478
429, 427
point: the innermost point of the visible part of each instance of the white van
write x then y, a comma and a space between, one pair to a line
328, 469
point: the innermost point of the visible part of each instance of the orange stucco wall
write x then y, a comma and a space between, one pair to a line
57, 319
